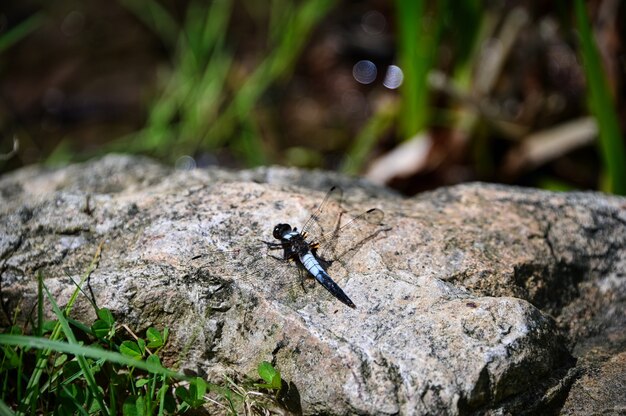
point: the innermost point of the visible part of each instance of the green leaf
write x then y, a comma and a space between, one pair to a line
100, 328
130, 349
129, 408
106, 316
141, 406
155, 340
170, 401
75, 393
154, 360
266, 371
270, 375
366, 140
142, 346
69, 392
95, 405
276, 381
10, 360
197, 388
182, 393
194, 396
142, 382
60, 360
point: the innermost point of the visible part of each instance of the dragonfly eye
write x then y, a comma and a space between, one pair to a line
280, 230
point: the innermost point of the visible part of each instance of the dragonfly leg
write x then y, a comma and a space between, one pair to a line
303, 277
273, 246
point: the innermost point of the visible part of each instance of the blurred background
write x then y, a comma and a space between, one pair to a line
413, 94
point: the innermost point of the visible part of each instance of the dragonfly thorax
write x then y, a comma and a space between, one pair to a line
291, 240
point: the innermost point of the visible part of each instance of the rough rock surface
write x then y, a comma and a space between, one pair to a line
475, 298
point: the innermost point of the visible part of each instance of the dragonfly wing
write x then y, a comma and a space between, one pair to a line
346, 240
326, 217
254, 266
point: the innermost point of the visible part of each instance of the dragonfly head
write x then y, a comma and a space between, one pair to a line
280, 230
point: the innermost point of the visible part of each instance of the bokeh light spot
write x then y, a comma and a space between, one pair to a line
364, 72
373, 23
393, 77
185, 163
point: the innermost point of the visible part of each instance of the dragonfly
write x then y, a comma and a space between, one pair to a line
324, 240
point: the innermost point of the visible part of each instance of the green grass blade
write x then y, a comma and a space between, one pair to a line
601, 105
161, 396
418, 38
39, 329
79, 287
277, 65
409, 16
92, 266
32, 387
5, 410
20, 31
84, 365
91, 352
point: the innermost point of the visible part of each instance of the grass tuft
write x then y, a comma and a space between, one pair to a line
109, 371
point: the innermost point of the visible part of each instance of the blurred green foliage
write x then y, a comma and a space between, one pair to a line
202, 106
213, 95
200, 109
20, 31
418, 36
602, 106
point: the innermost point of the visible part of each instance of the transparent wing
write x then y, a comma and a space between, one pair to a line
337, 240
345, 240
253, 266
326, 218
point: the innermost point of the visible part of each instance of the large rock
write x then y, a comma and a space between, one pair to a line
469, 299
